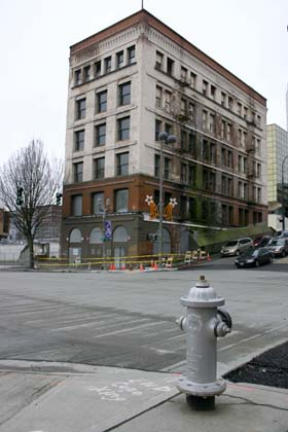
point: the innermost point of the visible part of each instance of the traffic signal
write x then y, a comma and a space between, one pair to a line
58, 198
19, 199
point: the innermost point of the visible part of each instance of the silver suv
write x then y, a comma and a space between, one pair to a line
235, 247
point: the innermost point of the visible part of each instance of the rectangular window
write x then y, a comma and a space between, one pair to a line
121, 200
239, 108
223, 129
183, 141
168, 97
193, 78
100, 134
204, 119
168, 128
158, 97
183, 73
78, 172
192, 208
122, 161
159, 60
80, 108
101, 101
245, 115
213, 153
213, 91
79, 140
77, 77
192, 175
223, 99
204, 87
97, 68
170, 66
167, 168
123, 128
131, 52
99, 168
125, 93
192, 145
87, 73
191, 111
183, 173
98, 202
107, 64
156, 165
183, 107
205, 150
120, 59
76, 205
158, 125
229, 131
212, 123
230, 102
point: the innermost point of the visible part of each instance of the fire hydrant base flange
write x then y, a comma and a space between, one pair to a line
199, 389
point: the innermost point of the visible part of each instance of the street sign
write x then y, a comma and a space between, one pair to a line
107, 230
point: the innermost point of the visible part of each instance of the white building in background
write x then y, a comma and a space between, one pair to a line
126, 84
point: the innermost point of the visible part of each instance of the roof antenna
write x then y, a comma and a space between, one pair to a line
142, 4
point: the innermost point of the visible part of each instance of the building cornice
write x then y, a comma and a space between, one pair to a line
144, 17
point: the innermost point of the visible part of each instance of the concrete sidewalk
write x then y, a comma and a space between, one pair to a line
61, 397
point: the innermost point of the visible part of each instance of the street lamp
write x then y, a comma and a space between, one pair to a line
164, 137
283, 199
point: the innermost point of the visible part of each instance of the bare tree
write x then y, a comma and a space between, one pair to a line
28, 184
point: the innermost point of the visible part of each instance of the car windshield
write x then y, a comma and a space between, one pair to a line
231, 243
250, 252
277, 242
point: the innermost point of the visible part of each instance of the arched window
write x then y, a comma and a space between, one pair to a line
96, 236
75, 236
120, 235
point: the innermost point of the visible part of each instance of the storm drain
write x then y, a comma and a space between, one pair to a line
269, 369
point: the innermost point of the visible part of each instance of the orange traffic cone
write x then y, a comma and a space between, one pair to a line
141, 268
155, 266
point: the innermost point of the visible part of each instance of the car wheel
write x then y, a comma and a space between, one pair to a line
237, 265
257, 264
283, 254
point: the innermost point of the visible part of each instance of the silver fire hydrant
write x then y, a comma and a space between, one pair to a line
203, 323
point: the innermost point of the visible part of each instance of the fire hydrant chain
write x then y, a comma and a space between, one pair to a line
203, 323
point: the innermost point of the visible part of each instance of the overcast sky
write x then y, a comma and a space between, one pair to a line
248, 37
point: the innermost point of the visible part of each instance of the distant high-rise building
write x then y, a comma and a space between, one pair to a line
128, 83
277, 150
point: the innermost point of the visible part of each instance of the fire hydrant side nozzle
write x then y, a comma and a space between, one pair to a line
203, 323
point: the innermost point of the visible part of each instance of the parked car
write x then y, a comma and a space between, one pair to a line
278, 246
261, 241
235, 247
254, 257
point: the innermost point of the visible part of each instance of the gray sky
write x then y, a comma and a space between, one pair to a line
248, 37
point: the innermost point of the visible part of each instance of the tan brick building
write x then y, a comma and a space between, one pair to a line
127, 83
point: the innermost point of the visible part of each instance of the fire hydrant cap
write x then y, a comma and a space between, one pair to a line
202, 295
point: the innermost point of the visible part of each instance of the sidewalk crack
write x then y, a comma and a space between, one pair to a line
250, 402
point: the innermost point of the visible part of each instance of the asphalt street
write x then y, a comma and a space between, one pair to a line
127, 319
